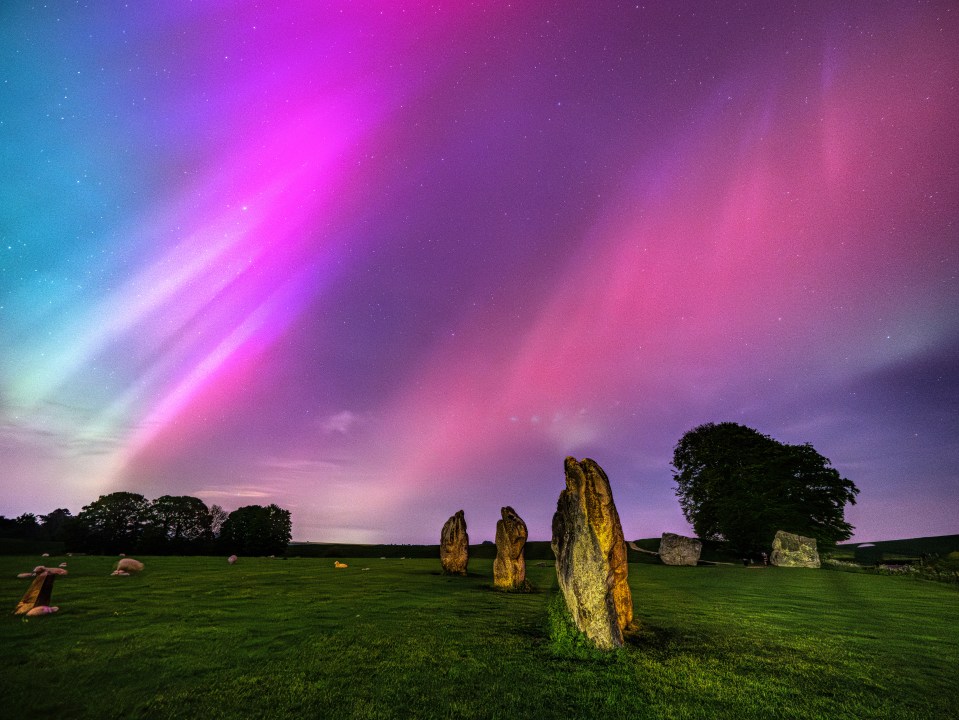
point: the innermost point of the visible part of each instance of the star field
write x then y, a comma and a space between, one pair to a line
376, 263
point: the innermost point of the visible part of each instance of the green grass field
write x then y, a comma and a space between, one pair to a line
296, 638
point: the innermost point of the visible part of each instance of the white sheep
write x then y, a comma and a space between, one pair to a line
52, 571
38, 610
63, 565
232, 559
129, 565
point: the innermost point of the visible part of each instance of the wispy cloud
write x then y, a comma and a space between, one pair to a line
341, 422
237, 492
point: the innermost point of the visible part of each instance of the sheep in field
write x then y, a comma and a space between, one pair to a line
53, 571
129, 565
232, 559
38, 610
63, 565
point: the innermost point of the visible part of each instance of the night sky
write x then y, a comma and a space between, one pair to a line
379, 261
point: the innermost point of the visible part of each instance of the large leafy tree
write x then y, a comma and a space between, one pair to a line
115, 522
177, 524
55, 523
257, 530
23, 527
736, 484
182, 517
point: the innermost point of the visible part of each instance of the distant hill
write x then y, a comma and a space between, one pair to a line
936, 545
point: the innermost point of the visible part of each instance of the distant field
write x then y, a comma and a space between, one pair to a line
194, 637
535, 550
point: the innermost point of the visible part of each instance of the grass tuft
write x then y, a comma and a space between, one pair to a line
565, 639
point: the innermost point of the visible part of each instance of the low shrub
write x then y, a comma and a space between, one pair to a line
846, 565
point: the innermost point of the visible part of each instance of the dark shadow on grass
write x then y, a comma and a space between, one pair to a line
529, 590
452, 576
653, 637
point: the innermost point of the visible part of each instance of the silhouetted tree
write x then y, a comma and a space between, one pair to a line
22, 527
177, 524
737, 484
28, 527
53, 525
256, 530
114, 523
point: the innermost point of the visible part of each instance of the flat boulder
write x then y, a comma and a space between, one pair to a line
590, 555
791, 550
679, 549
454, 545
509, 567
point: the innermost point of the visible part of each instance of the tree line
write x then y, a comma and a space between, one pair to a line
125, 522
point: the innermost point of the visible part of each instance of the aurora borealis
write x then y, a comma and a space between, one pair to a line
377, 262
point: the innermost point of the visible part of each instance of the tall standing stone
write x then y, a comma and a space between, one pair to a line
591, 555
509, 567
791, 550
454, 545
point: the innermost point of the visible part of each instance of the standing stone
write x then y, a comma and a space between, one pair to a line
590, 555
679, 549
509, 567
454, 545
794, 551
37, 595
